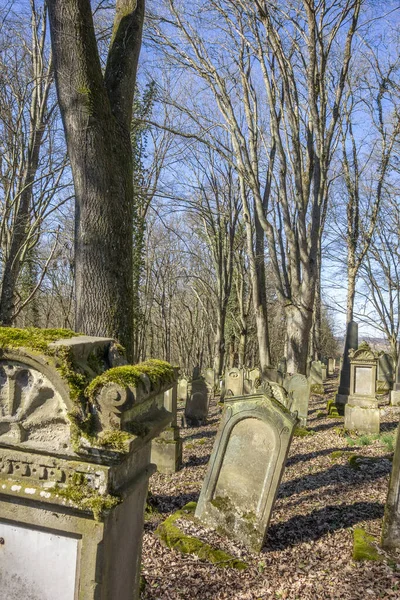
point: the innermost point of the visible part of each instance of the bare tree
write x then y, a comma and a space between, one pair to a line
96, 109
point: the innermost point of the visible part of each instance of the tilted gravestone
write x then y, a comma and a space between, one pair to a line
391, 520
234, 382
245, 468
196, 409
361, 411
351, 343
298, 389
74, 464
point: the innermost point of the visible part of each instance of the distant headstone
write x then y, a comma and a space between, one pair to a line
351, 343
386, 370
298, 389
234, 382
361, 411
331, 366
196, 408
245, 468
391, 519
182, 389
317, 372
252, 381
210, 378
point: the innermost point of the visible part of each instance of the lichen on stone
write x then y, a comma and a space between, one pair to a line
317, 388
173, 537
83, 496
303, 432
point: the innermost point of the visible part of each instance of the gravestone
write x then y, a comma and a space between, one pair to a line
385, 373
166, 449
210, 381
331, 366
196, 409
252, 380
351, 343
72, 497
182, 389
281, 370
361, 411
245, 468
317, 370
395, 393
234, 382
391, 520
298, 389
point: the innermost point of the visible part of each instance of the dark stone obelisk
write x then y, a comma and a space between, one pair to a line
351, 343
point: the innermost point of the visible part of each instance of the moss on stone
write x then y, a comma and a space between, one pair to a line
303, 432
79, 493
159, 372
363, 547
336, 454
222, 503
317, 388
174, 538
38, 340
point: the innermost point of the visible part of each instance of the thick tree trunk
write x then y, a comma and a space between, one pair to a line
219, 345
97, 113
351, 292
298, 323
260, 298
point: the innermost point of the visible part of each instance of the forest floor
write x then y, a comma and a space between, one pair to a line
332, 484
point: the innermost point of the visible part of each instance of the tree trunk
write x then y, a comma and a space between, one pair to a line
259, 297
219, 344
351, 292
97, 114
298, 323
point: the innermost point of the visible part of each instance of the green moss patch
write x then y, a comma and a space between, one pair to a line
318, 389
363, 547
85, 497
333, 409
35, 339
303, 432
173, 537
158, 372
336, 454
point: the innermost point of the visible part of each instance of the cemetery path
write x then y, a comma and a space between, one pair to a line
332, 484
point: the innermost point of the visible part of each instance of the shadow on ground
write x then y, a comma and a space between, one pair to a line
318, 523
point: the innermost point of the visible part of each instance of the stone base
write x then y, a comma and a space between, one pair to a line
341, 401
166, 451
395, 398
362, 419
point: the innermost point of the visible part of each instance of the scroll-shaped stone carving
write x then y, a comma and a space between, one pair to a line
245, 468
112, 400
33, 407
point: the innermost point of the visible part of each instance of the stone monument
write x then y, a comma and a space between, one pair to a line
166, 449
182, 389
351, 343
361, 411
391, 519
234, 382
298, 389
196, 409
331, 366
75, 442
245, 468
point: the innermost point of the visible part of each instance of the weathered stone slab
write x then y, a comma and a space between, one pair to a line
183, 389
252, 381
391, 520
196, 409
245, 468
166, 449
331, 366
74, 465
234, 382
298, 388
317, 373
361, 411
386, 371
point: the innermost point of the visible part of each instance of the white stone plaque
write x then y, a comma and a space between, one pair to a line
363, 381
36, 565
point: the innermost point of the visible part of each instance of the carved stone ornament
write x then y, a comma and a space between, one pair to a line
34, 403
364, 353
